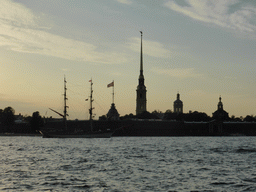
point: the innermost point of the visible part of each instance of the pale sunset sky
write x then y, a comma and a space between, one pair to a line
199, 48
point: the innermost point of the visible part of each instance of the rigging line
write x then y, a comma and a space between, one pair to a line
74, 91
76, 113
100, 98
99, 106
76, 85
70, 90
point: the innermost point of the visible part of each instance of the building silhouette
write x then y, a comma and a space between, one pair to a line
220, 114
178, 105
113, 113
141, 101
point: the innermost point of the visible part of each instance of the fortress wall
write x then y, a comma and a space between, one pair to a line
161, 128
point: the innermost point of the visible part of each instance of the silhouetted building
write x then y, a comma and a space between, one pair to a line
141, 101
178, 105
220, 114
112, 113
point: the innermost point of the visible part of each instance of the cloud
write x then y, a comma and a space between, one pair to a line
231, 14
22, 31
151, 48
178, 72
127, 2
17, 15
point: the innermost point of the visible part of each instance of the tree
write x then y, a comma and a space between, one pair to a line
7, 118
197, 116
36, 121
169, 115
1, 114
147, 115
158, 113
130, 116
249, 118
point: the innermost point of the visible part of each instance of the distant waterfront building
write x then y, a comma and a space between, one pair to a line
141, 101
178, 105
112, 113
220, 114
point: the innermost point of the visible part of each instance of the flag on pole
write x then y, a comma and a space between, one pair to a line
90, 80
110, 84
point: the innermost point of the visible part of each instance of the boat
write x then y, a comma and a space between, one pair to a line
83, 132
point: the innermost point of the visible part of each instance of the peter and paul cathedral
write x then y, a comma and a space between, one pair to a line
141, 101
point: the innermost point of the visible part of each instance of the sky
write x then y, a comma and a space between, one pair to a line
197, 48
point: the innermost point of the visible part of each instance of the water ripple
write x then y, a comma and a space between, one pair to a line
128, 164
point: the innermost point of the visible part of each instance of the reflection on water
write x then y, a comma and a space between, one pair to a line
128, 164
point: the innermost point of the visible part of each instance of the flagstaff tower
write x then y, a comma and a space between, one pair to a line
141, 101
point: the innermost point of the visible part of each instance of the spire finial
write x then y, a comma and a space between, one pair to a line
178, 96
141, 57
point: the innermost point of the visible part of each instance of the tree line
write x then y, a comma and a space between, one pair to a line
29, 124
191, 116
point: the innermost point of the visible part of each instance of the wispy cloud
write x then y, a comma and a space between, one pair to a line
178, 72
22, 31
151, 48
127, 2
234, 14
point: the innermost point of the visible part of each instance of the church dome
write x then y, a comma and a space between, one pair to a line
178, 99
112, 113
220, 114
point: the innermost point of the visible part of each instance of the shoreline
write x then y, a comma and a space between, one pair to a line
39, 135
20, 134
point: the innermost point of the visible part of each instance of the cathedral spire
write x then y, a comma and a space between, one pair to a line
141, 102
141, 77
141, 57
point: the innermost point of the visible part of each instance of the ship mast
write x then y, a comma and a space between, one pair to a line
65, 104
91, 108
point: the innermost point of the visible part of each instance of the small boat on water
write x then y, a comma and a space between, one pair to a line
85, 132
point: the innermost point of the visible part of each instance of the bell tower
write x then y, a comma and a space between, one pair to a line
178, 105
141, 101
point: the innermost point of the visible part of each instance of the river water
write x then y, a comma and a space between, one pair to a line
128, 164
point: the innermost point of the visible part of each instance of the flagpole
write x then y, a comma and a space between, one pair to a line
113, 92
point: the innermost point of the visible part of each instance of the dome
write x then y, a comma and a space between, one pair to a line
220, 114
112, 113
178, 99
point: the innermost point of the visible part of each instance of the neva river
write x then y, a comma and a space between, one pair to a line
128, 164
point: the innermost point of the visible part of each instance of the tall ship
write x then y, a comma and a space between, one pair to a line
83, 129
